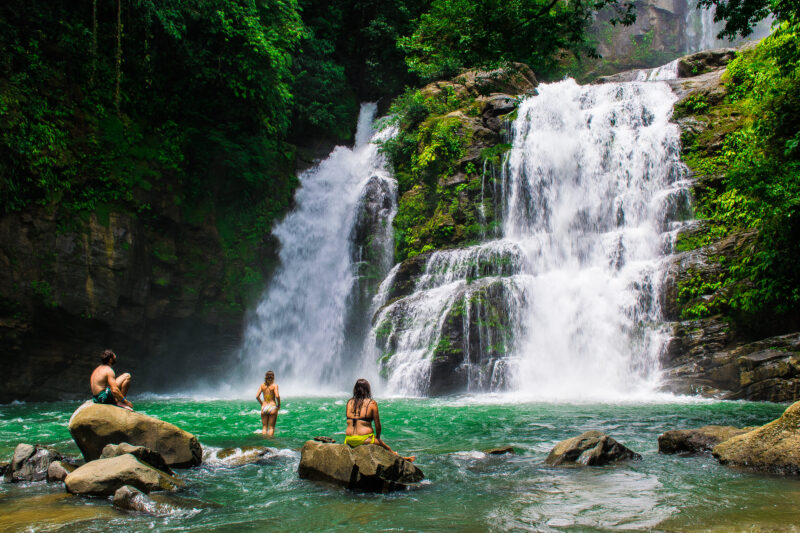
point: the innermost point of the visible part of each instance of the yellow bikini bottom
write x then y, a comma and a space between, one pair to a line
357, 440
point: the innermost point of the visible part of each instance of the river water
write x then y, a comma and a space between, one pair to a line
464, 490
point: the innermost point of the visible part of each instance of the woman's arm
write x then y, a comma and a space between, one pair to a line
277, 396
377, 418
258, 394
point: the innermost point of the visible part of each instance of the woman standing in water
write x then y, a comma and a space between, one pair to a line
361, 411
270, 400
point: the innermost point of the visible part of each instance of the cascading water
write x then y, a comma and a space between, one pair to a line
565, 305
300, 327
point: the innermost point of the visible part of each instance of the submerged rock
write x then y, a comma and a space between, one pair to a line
93, 426
368, 467
500, 451
145, 455
58, 471
772, 448
696, 441
592, 448
243, 456
326, 440
30, 463
104, 476
132, 499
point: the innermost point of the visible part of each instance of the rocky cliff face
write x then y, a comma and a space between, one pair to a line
717, 356
153, 292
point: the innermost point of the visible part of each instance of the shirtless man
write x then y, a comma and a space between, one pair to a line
106, 387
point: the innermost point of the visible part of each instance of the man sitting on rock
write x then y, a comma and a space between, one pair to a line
106, 387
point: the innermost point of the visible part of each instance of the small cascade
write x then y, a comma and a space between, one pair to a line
564, 305
334, 248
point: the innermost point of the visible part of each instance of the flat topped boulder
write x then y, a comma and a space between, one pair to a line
104, 476
368, 467
772, 448
93, 426
592, 448
696, 441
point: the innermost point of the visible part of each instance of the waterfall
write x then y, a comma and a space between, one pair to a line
565, 304
701, 30
301, 328
594, 178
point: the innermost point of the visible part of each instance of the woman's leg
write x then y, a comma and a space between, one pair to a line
264, 423
379, 442
271, 419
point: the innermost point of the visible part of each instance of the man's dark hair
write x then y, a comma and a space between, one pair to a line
107, 356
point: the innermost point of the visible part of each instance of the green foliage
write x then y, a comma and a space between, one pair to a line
456, 34
760, 187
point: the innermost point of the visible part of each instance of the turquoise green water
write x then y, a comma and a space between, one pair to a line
465, 490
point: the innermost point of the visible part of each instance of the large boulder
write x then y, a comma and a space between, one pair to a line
696, 441
368, 467
592, 448
772, 448
30, 463
104, 476
93, 426
145, 455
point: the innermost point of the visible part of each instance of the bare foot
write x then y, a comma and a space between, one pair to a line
410, 458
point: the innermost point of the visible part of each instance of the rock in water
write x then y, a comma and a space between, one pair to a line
500, 451
132, 499
95, 425
58, 471
368, 467
145, 455
593, 448
104, 476
696, 441
773, 448
30, 463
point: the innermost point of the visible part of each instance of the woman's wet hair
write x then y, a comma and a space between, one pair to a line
106, 356
361, 392
269, 377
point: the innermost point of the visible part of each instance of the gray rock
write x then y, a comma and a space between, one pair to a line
58, 471
5, 470
104, 476
326, 440
368, 467
145, 455
93, 426
132, 499
696, 441
30, 463
592, 448
244, 456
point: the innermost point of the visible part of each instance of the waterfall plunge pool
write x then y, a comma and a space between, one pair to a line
465, 490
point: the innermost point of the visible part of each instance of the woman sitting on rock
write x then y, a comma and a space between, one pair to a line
270, 400
361, 411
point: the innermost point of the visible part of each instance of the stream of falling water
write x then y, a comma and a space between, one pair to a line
299, 327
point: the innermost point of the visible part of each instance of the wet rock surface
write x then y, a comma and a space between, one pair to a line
93, 426
245, 455
31, 463
103, 477
502, 450
132, 499
145, 455
696, 441
772, 448
369, 468
58, 471
592, 448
